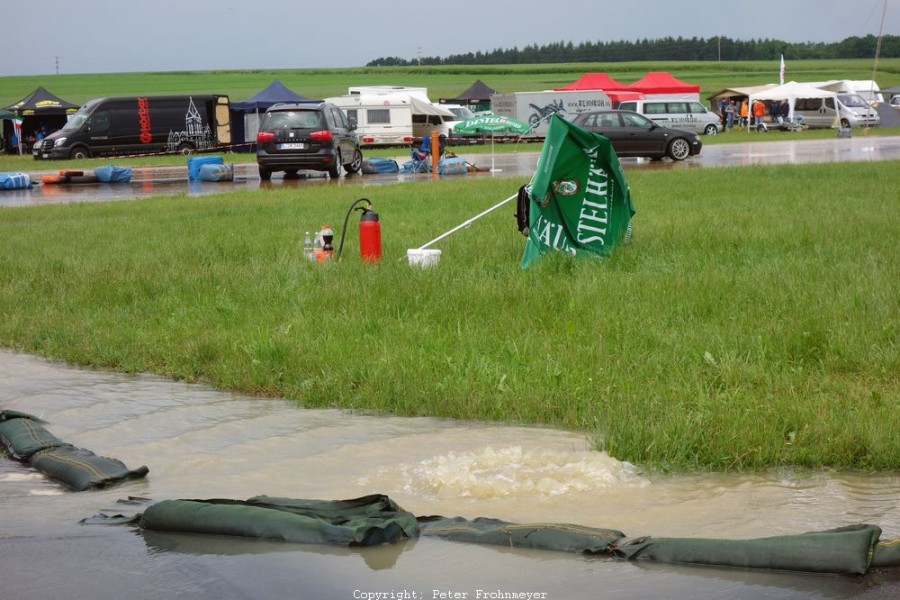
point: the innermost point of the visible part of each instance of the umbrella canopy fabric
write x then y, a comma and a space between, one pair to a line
5, 114
490, 123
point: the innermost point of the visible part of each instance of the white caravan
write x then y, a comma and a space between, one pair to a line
393, 118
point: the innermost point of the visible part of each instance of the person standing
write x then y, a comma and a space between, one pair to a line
759, 112
730, 111
744, 112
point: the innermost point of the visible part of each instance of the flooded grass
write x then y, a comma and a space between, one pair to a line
752, 322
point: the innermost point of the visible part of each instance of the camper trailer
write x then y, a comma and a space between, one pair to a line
140, 125
393, 118
867, 89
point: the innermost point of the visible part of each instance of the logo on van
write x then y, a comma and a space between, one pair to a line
146, 135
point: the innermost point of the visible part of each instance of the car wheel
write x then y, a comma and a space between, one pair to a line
355, 165
79, 152
185, 149
711, 129
845, 123
334, 169
265, 173
679, 149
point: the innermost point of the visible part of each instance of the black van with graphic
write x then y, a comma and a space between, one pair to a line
140, 125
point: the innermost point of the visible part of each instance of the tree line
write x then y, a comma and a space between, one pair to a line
667, 48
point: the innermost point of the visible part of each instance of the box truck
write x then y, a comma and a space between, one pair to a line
535, 108
140, 125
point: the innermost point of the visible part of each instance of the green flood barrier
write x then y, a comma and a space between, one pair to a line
376, 519
26, 439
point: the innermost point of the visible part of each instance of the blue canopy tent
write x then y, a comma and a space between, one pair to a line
245, 113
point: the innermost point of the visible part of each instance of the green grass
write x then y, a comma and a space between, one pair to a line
752, 322
441, 81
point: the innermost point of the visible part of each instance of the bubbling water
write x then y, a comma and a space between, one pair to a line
513, 471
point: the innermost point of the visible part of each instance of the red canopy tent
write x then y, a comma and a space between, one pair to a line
616, 90
660, 83
594, 81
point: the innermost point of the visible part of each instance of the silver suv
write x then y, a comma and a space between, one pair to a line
310, 135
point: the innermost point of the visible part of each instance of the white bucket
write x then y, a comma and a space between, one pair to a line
423, 257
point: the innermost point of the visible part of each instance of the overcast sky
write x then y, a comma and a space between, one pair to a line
99, 36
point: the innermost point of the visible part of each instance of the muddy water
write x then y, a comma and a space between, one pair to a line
778, 148
202, 443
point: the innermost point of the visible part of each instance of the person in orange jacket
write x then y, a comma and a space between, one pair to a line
758, 111
744, 112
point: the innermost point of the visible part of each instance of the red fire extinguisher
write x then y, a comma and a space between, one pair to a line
369, 235
369, 231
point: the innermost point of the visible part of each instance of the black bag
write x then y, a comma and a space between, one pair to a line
522, 207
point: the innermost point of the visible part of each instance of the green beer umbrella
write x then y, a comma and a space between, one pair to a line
579, 200
491, 123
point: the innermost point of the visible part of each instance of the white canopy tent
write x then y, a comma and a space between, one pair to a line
790, 92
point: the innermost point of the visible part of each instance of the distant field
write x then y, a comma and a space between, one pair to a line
441, 81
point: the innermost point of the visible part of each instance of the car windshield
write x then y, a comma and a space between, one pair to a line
76, 121
461, 112
852, 100
293, 119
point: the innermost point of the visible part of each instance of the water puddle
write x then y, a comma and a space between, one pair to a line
203, 443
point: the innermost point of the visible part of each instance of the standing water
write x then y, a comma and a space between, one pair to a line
203, 443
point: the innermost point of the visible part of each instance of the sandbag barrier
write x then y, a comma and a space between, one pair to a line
27, 440
376, 519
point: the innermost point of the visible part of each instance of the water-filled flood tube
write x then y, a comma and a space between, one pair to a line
27, 440
376, 519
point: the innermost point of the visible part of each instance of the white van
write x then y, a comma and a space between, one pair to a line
822, 113
677, 114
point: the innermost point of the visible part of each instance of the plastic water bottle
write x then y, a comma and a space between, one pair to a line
308, 251
318, 251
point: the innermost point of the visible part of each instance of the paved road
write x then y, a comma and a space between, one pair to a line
173, 180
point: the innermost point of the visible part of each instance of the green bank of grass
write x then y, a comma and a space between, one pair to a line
752, 322
442, 81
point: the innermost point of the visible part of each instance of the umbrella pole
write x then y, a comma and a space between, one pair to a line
493, 170
469, 222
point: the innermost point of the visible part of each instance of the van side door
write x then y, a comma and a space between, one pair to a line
98, 131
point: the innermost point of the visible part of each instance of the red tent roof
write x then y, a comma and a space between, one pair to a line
594, 81
660, 82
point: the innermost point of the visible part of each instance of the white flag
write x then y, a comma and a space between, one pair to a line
781, 72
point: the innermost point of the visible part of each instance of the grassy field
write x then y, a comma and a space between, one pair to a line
441, 81
752, 322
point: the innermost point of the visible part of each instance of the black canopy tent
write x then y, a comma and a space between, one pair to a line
245, 113
39, 110
477, 97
